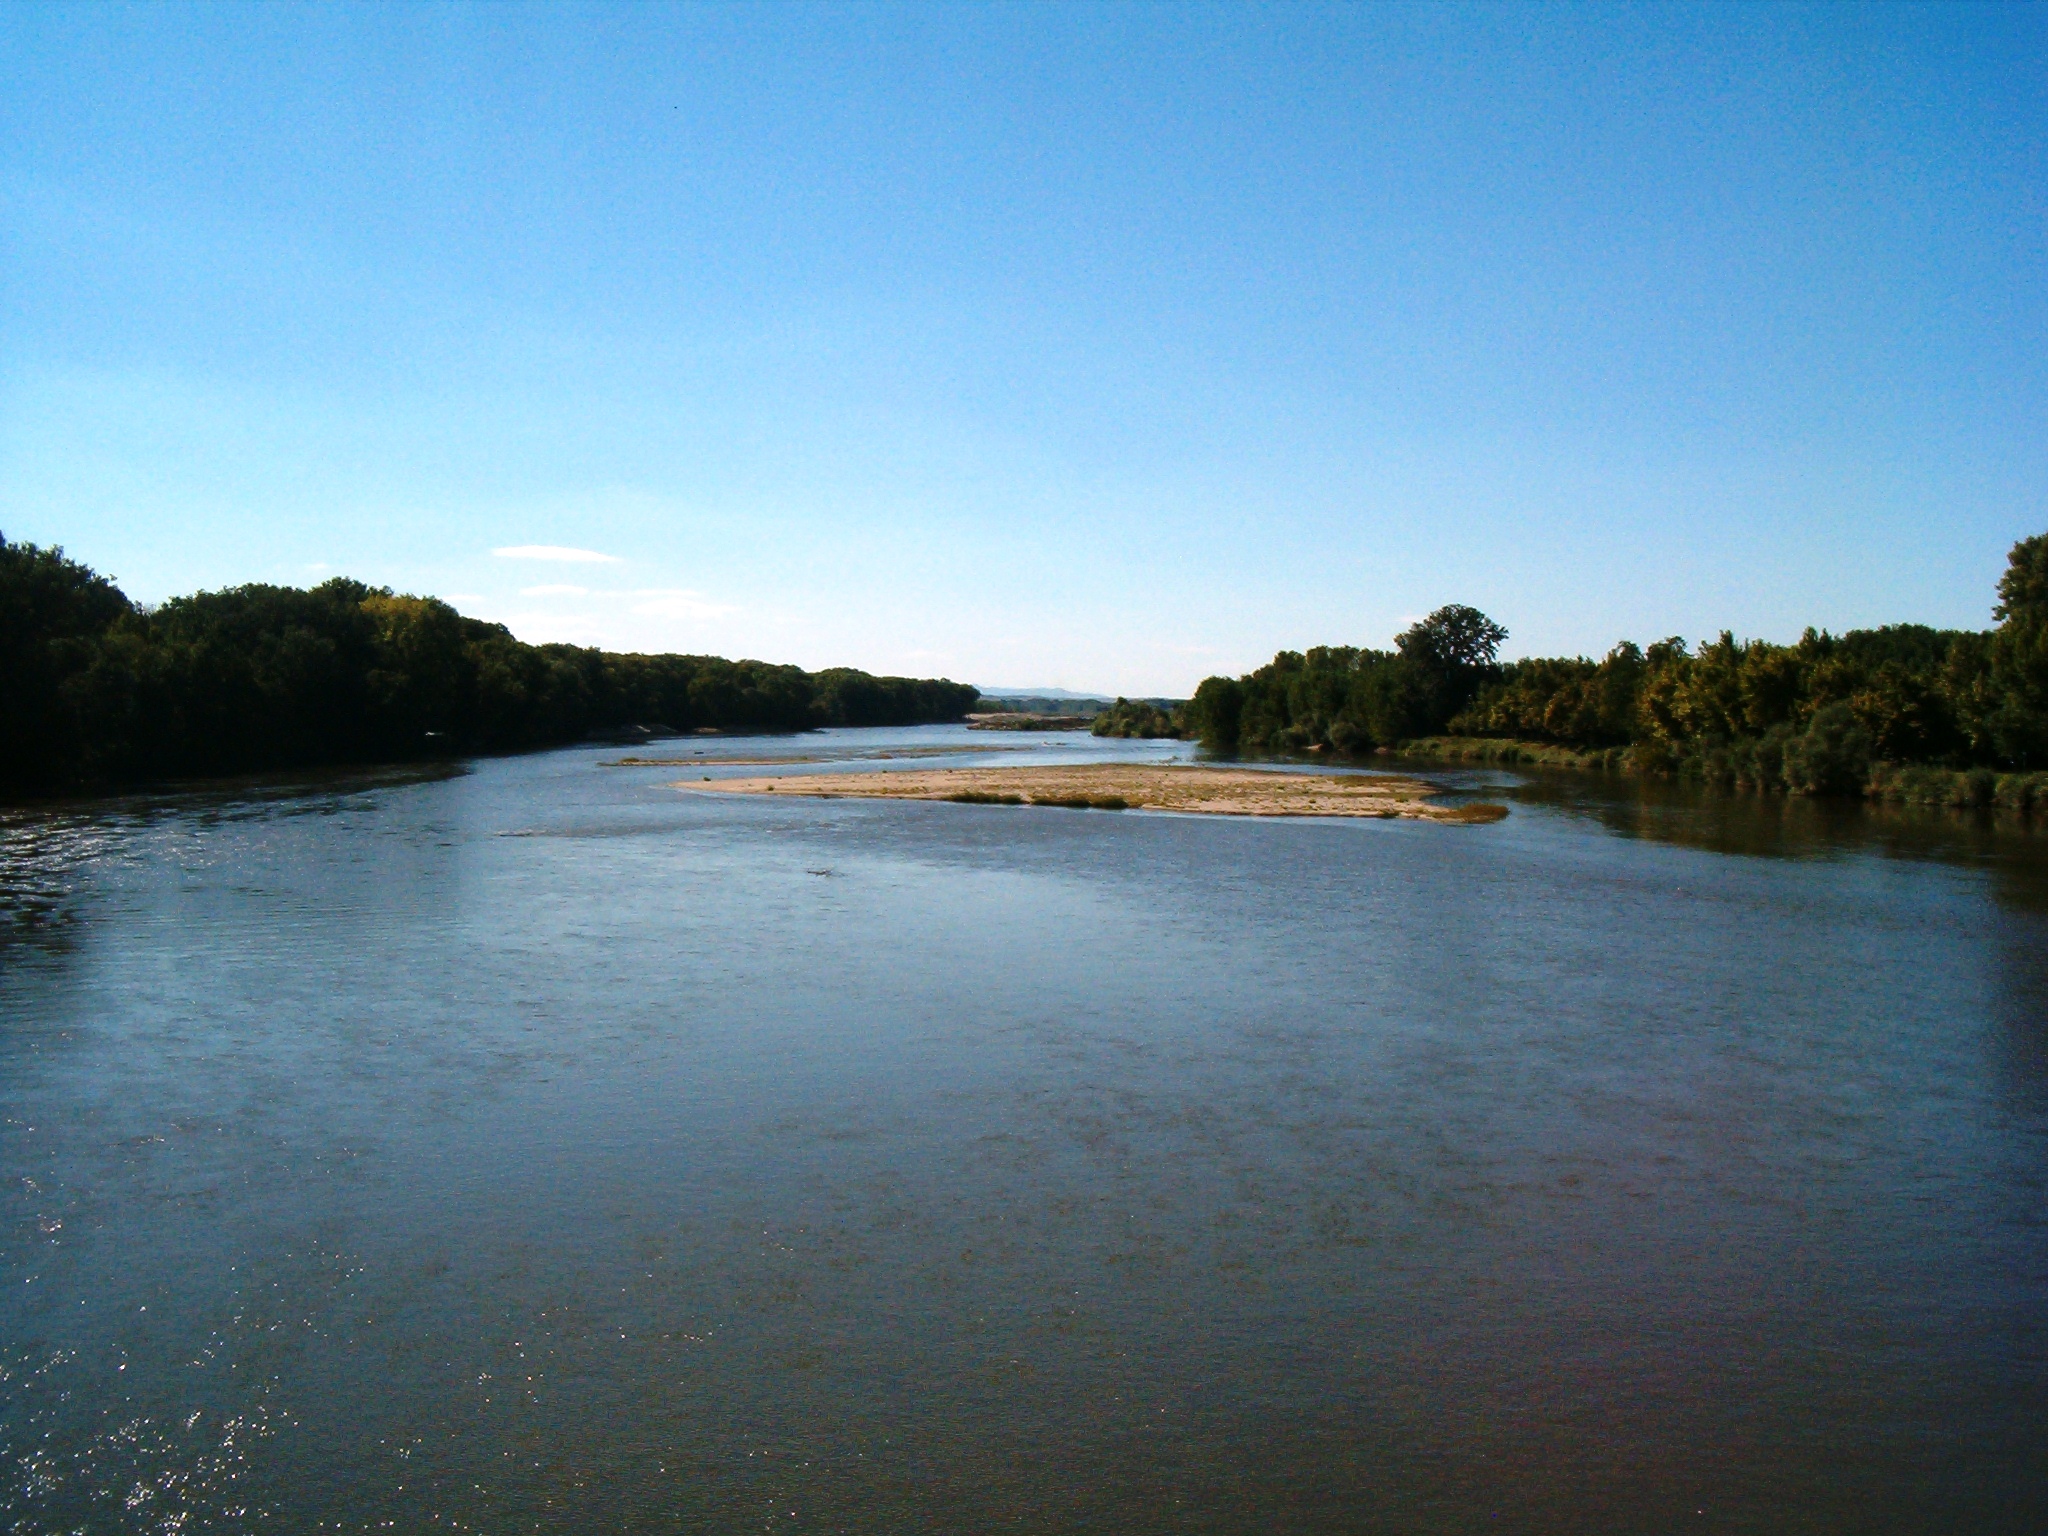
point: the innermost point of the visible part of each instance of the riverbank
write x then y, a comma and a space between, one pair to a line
1530, 754
1132, 786
2024, 794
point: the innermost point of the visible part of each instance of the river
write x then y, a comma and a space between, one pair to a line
534, 1146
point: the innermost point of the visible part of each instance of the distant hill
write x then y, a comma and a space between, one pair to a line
1043, 693
1041, 702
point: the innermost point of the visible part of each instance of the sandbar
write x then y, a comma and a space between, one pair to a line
1130, 786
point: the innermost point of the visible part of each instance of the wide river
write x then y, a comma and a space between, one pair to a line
540, 1147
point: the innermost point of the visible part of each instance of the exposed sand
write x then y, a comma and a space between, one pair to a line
1129, 786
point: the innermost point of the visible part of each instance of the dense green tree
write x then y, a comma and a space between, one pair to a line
95, 691
1820, 716
1831, 757
1450, 656
1143, 719
1216, 711
2023, 589
1452, 641
1350, 700
53, 612
2007, 708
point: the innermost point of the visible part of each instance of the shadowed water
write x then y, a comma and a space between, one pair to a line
538, 1147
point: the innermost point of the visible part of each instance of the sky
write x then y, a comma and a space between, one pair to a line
1099, 347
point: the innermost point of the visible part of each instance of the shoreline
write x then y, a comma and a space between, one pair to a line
1922, 785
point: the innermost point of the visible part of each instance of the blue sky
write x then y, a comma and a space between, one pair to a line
1101, 347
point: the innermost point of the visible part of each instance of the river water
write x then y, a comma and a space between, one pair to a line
536, 1146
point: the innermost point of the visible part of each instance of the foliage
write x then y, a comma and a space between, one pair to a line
52, 615
1826, 715
94, 690
1535, 754
1146, 719
1009, 722
1960, 788
1341, 699
2023, 589
1040, 704
1590, 704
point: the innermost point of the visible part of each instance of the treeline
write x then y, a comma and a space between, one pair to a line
95, 690
1039, 704
1827, 715
1348, 700
1141, 719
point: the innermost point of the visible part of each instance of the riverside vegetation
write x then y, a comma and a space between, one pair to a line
1139, 719
96, 690
1903, 713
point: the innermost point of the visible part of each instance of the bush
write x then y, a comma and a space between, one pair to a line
2022, 792
1832, 758
1141, 718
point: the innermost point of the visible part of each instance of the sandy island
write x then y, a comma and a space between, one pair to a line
1129, 786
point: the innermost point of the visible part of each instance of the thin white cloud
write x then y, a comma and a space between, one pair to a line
558, 552
554, 591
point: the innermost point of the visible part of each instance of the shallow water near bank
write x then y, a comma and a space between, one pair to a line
536, 1147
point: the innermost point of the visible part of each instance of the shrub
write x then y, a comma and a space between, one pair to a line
2022, 792
1832, 758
